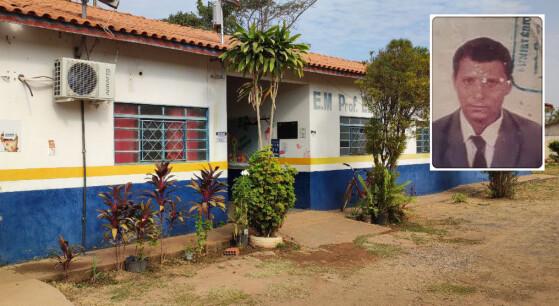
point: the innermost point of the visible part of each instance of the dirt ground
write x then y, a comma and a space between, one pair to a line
481, 252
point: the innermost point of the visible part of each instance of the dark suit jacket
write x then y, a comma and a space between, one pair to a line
519, 143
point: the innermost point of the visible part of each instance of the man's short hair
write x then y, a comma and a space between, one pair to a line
483, 50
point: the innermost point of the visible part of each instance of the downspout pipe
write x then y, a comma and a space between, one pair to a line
84, 165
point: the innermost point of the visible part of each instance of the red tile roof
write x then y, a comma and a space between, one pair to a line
65, 11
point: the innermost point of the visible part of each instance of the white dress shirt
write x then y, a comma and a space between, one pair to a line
490, 135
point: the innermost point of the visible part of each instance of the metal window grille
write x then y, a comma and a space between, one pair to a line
422, 140
148, 133
352, 135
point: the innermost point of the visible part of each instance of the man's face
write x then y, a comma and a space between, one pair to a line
481, 89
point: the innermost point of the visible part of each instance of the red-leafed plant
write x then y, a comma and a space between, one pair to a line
143, 225
163, 185
67, 254
210, 189
119, 209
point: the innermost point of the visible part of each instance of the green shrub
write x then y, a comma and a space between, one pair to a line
459, 198
502, 184
554, 146
385, 200
268, 191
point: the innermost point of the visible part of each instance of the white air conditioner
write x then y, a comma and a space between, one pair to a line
83, 80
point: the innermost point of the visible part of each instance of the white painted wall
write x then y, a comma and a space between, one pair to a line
325, 117
168, 78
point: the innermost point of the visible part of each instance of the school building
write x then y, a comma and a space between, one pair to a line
169, 98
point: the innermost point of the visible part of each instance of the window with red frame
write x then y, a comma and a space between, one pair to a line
148, 133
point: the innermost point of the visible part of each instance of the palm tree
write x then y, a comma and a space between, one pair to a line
288, 56
250, 55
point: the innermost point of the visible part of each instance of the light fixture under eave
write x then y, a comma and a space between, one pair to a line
111, 3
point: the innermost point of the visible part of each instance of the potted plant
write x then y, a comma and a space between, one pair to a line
242, 192
210, 188
272, 195
142, 224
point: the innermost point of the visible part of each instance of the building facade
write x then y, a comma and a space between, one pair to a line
173, 101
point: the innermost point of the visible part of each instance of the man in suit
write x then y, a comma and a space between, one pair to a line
481, 134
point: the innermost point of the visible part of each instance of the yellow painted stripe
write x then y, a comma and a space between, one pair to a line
75, 172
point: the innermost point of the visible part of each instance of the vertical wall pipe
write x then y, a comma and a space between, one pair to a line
84, 164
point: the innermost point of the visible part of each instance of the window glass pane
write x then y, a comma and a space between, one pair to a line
174, 111
196, 135
151, 110
126, 123
196, 112
126, 157
147, 139
190, 145
124, 108
196, 155
352, 136
196, 125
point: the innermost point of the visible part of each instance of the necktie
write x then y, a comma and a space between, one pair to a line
479, 158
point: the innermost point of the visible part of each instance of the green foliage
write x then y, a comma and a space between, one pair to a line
262, 13
271, 195
554, 147
163, 185
203, 17
459, 198
211, 190
119, 209
242, 193
143, 225
385, 199
203, 226
396, 91
502, 184
258, 53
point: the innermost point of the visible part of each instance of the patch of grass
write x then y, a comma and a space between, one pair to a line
459, 198
120, 293
286, 291
270, 268
223, 297
377, 249
418, 240
419, 228
449, 221
464, 241
552, 169
451, 289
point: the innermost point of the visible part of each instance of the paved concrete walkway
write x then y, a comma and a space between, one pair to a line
311, 228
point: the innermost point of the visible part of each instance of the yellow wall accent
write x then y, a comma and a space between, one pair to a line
75, 172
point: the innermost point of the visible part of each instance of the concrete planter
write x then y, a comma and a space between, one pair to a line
265, 242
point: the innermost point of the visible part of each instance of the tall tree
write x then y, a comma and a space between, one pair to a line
396, 90
250, 55
287, 56
263, 13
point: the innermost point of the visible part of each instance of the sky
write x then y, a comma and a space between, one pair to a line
352, 28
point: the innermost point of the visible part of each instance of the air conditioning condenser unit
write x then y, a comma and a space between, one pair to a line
76, 80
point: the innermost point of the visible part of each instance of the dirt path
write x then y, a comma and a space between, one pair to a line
482, 252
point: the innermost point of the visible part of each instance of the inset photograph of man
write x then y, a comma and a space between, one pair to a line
486, 98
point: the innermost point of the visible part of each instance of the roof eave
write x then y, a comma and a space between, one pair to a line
73, 28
